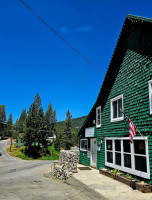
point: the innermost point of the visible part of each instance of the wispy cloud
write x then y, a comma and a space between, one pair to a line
83, 29
64, 29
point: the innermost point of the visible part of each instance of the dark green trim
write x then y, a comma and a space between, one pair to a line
140, 18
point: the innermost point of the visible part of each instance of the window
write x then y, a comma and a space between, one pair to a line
98, 116
127, 153
83, 144
116, 107
140, 155
131, 158
109, 151
150, 95
118, 152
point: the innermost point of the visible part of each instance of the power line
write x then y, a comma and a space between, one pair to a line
54, 31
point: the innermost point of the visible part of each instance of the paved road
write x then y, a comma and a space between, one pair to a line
25, 180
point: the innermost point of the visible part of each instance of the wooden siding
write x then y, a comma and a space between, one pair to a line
83, 158
132, 82
131, 75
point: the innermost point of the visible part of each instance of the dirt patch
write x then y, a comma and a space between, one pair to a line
84, 168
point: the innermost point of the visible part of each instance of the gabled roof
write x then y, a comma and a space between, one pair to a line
130, 20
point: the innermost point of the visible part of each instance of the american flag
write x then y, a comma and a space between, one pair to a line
132, 130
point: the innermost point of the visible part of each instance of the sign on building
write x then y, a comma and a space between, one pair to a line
89, 132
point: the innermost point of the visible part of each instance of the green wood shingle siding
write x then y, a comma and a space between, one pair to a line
129, 74
83, 158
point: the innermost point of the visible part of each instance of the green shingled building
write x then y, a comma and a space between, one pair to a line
127, 86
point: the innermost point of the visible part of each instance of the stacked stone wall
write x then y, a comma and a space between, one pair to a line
67, 164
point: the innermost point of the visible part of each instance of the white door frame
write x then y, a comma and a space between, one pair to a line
91, 157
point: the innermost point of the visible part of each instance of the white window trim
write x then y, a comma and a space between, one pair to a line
112, 100
150, 93
125, 169
98, 108
80, 145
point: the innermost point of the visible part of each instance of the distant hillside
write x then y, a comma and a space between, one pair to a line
76, 122
76, 125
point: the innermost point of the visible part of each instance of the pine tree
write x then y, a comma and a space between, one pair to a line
16, 131
9, 125
37, 101
49, 118
31, 135
54, 123
36, 106
21, 121
67, 135
42, 136
57, 142
2, 121
28, 137
16, 123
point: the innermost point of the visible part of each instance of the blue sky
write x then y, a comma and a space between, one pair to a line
34, 60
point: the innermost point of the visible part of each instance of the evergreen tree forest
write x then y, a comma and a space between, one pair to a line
6, 126
34, 127
67, 131
2, 121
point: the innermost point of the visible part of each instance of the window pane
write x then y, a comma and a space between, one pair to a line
118, 158
114, 104
109, 157
98, 116
126, 144
139, 146
109, 144
140, 163
83, 145
117, 145
127, 160
119, 107
98, 119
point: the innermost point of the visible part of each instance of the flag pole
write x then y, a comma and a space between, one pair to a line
136, 127
140, 133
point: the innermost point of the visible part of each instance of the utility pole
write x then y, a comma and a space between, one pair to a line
12, 130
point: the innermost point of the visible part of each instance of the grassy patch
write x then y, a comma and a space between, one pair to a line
55, 153
19, 153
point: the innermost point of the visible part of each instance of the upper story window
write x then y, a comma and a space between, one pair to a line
116, 108
98, 116
150, 95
